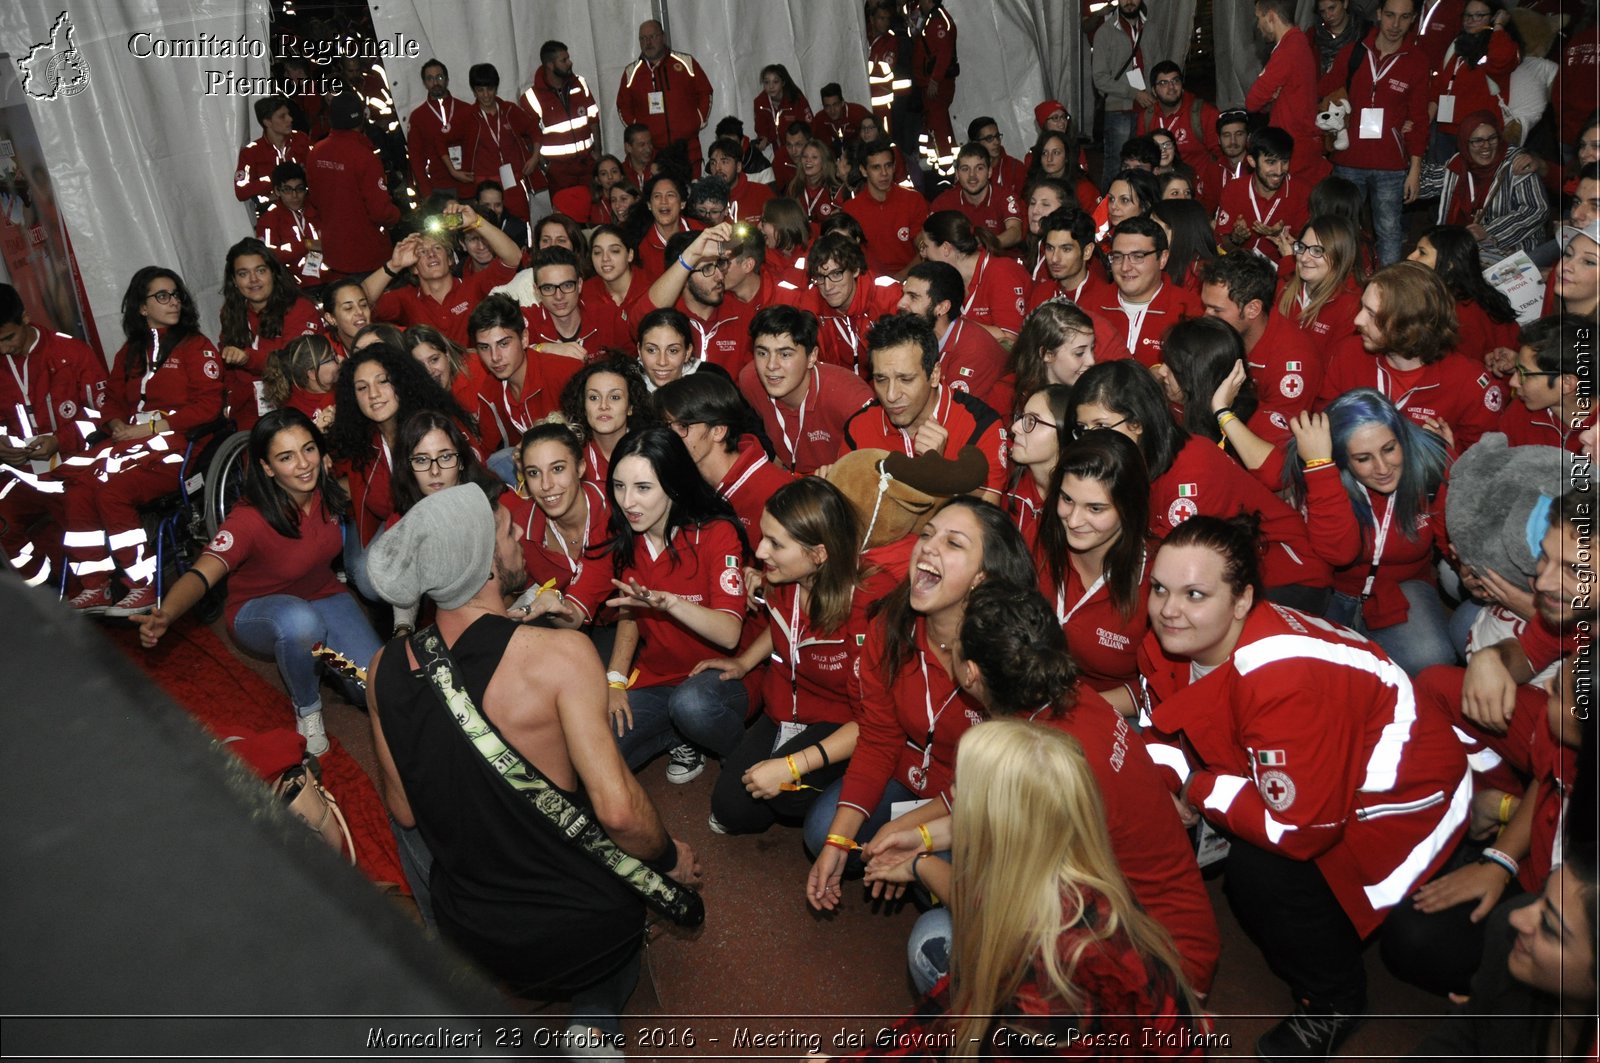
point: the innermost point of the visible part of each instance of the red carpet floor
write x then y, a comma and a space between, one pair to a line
203, 674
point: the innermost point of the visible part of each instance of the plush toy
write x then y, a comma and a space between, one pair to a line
893, 496
1335, 120
1493, 491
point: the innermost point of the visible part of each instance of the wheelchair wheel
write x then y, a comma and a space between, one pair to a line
225, 480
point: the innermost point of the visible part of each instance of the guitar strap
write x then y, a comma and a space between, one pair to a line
574, 824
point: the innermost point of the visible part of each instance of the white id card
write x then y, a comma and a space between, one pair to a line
1447, 109
658, 103
263, 404
1211, 846
508, 177
900, 808
1371, 123
455, 155
312, 267
1136, 79
787, 732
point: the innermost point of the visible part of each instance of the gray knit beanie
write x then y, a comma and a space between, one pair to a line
443, 548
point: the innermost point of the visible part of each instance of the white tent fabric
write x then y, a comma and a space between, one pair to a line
1000, 46
142, 159
1235, 38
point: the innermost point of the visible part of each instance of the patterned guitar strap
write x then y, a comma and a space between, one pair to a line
576, 825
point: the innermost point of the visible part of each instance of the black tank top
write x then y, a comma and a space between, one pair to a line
506, 887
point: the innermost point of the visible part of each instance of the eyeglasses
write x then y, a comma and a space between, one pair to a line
1169, 83
712, 268
1523, 372
1029, 421
682, 427
446, 460
1117, 258
565, 288
292, 188
164, 296
833, 277
1484, 142
1314, 250
1079, 429
992, 138
1475, 16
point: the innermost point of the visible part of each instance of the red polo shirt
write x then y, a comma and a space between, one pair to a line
891, 227
1286, 367
994, 208
749, 483
708, 571
1140, 332
842, 334
970, 359
967, 420
1290, 204
409, 305
998, 294
596, 331
503, 417
586, 581
811, 436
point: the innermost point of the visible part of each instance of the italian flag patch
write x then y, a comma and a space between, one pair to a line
730, 560
1291, 367
1271, 758
1483, 381
1188, 490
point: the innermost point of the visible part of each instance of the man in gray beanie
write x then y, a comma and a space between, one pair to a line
506, 887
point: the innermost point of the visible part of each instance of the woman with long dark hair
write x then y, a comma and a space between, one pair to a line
816, 591
1053, 155
345, 312
165, 381
678, 560
1484, 316
564, 517
1207, 379
779, 103
913, 711
1013, 657
991, 281
613, 275
604, 401
1191, 241
1189, 476
452, 367
378, 388
1056, 346
1371, 485
276, 552
1093, 552
262, 310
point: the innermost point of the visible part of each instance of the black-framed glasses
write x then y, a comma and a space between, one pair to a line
1136, 258
833, 277
1079, 429
992, 138
1484, 142
1300, 247
565, 288
164, 296
1029, 421
445, 460
682, 427
714, 267
301, 187
1523, 372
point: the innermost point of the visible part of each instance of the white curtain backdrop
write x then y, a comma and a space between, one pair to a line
1003, 54
1234, 36
142, 160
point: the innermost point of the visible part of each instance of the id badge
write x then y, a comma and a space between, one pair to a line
508, 177
900, 808
1210, 847
1447, 109
787, 732
312, 266
1372, 123
263, 404
455, 155
1136, 79
658, 103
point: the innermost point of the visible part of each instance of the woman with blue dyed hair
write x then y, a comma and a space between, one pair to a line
1371, 484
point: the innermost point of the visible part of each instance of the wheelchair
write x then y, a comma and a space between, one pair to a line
182, 523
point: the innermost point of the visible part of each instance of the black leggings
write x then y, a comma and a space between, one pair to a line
731, 803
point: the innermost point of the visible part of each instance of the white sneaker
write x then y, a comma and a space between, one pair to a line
316, 736
716, 825
684, 764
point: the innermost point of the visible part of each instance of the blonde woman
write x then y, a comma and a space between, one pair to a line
1070, 949
301, 375
1323, 293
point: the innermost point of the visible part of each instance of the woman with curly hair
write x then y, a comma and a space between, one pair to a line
1069, 948
604, 401
165, 381
262, 310
377, 389
1484, 316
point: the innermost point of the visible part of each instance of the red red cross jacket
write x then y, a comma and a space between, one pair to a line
1308, 741
568, 120
680, 110
1453, 390
1396, 87
252, 176
436, 127
186, 388
351, 194
1192, 123
842, 333
51, 385
1170, 305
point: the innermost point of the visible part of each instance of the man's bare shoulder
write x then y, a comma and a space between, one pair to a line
557, 656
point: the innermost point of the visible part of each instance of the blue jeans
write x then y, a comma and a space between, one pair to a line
285, 628
820, 817
702, 710
928, 949
503, 463
1385, 191
1420, 641
416, 861
1118, 131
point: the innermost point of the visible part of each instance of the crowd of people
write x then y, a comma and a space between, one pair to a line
587, 408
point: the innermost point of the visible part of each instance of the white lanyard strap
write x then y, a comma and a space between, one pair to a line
800, 426
1277, 201
977, 277
933, 717
444, 114
1378, 74
1378, 542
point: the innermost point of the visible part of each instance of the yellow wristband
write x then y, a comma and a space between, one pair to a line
927, 839
841, 842
1317, 463
1223, 421
789, 760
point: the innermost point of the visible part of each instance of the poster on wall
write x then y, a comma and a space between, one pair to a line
34, 245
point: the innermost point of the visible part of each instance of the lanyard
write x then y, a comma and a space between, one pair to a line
800, 426
1378, 542
933, 717
444, 114
905, 437
150, 366
505, 396
795, 638
561, 540
22, 377
977, 279
494, 130
388, 458
846, 328
1378, 74
1136, 321
813, 200
1277, 201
